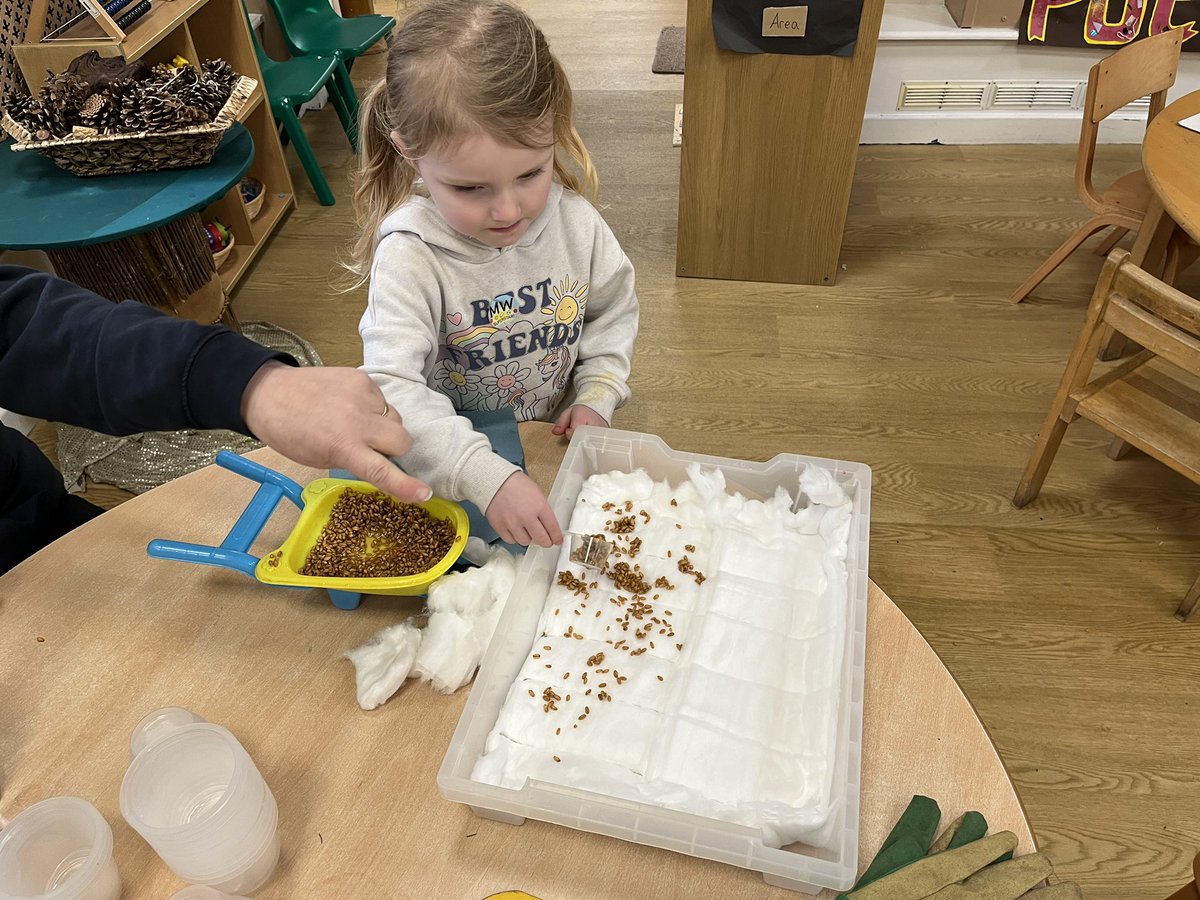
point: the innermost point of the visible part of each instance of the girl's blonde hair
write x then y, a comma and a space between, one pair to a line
455, 68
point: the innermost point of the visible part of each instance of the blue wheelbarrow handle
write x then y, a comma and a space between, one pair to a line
231, 554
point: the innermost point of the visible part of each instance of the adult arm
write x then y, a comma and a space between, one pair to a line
71, 356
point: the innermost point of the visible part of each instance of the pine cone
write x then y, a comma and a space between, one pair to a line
61, 97
182, 79
18, 107
206, 95
43, 123
159, 111
100, 113
221, 72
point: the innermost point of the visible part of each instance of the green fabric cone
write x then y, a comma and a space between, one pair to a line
932, 873
970, 826
907, 842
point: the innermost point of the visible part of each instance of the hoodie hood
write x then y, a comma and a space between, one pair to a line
419, 216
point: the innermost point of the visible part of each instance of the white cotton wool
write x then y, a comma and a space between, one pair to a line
463, 611
464, 608
448, 655
383, 663
720, 661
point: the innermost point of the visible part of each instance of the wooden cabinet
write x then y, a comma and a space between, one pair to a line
196, 30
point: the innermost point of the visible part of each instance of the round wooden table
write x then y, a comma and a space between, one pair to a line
1169, 155
96, 634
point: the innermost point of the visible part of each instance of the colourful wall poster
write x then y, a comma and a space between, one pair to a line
1106, 23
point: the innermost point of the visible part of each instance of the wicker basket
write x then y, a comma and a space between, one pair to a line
223, 254
113, 154
254, 207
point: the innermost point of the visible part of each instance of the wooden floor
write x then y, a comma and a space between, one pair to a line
1056, 619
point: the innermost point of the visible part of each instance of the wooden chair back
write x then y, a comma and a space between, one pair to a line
1163, 320
1147, 66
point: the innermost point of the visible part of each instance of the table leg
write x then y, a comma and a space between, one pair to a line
1149, 253
170, 268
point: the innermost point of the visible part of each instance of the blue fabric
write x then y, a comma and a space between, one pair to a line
500, 427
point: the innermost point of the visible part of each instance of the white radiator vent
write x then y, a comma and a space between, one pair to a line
1036, 95
1139, 108
999, 95
942, 94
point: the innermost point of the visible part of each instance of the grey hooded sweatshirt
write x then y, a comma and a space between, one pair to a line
452, 324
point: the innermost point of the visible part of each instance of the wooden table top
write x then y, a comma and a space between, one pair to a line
1169, 155
95, 635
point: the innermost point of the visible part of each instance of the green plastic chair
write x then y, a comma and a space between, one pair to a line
295, 81
312, 27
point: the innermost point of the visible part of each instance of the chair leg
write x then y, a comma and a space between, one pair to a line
1106, 245
1085, 231
304, 150
1181, 253
346, 83
1118, 448
1039, 461
1189, 602
1115, 345
337, 97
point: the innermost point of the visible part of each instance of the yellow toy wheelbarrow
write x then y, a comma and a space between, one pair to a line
282, 567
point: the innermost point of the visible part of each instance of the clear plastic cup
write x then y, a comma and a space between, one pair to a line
59, 849
202, 892
197, 798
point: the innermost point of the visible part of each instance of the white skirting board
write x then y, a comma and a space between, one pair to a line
982, 74
920, 44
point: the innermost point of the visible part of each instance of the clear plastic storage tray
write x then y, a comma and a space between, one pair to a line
801, 868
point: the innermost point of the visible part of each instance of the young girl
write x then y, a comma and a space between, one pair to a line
503, 292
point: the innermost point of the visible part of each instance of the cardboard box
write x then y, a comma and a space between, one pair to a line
985, 13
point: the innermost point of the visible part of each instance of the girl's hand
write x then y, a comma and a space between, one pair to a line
576, 416
521, 515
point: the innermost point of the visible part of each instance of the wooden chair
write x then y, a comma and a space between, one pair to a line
1144, 67
1151, 399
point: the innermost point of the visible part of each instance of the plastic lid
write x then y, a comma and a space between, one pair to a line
157, 725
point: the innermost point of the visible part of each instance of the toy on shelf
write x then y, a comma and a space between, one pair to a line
220, 241
253, 193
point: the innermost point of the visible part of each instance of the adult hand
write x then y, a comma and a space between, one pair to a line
520, 514
331, 418
575, 416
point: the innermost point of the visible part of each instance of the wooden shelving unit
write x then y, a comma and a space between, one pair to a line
196, 30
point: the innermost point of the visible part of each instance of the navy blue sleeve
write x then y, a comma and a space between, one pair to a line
71, 356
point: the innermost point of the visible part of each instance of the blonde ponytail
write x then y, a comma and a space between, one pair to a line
384, 179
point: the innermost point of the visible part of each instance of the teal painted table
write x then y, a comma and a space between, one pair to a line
136, 236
